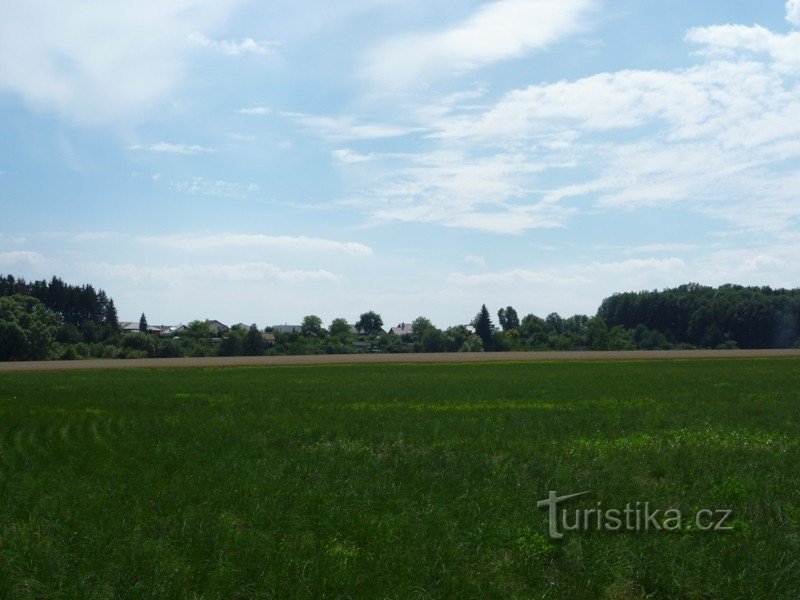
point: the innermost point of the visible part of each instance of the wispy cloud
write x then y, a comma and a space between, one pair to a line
347, 127
20, 257
100, 63
478, 261
497, 31
193, 243
793, 12
666, 247
252, 271
214, 187
255, 110
347, 156
721, 137
232, 47
170, 148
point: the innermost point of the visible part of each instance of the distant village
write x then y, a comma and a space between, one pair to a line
218, 329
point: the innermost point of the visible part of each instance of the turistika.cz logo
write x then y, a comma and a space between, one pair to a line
637, 516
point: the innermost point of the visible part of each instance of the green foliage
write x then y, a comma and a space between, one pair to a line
471, 344
705, 316
370, 323
340, 328
253, 343
508, 319
27, 328
143, 324
68, 334
312, 327
484, 328
231, 343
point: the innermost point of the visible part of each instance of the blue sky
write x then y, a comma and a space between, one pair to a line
260, 161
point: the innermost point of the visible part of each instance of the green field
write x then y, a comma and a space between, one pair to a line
397, 480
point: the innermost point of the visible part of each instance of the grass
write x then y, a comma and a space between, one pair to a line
406, 481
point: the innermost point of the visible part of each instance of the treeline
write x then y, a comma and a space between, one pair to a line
52, 320
707, 317
87, 310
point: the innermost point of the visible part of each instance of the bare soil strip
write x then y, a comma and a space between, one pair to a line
334, 359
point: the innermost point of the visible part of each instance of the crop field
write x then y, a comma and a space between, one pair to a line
399, 480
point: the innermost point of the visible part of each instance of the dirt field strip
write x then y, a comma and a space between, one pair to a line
333, 359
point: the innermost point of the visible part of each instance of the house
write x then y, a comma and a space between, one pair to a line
161, 329
286, 328
129, 326
216, 327
356, 331
133, 327
269, 338
402, 329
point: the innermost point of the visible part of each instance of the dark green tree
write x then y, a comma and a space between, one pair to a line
339, 328
231, 343
253, 344
110, 317
484, 328
370, 323
143, 324
27, 328
312, 327
508, 318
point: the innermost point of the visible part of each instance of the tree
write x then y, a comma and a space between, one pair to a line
339, 328
370, 323
484, 328
198, 330
472, 344
253, 344
596, 334
27, 328
143, 324
312, 327
555, 323
508, 318
419, 327
110, 316
231, 343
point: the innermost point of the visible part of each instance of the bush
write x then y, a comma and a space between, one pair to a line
727, 345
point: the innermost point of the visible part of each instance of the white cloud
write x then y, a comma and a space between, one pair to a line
347, 127
793, 12
512, 277
455, 189
21, 257
668, 247
239, 272
170, 148
255, 110
194, 243
100, 62
233, 48
727, 40
478, 261
91, 236
720, 137
214, 187
79, 237
497, 31
347, 156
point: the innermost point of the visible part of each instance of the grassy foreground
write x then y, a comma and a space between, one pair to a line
397, 480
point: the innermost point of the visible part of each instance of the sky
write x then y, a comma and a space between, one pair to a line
261, 161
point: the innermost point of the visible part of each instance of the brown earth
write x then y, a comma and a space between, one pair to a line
331, 359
